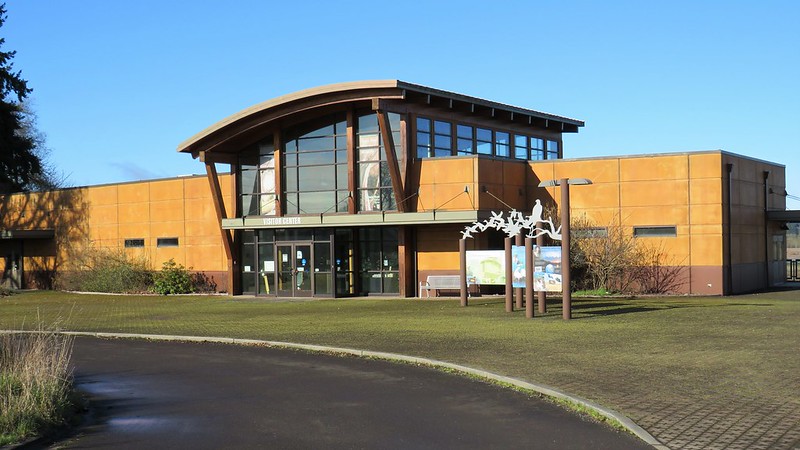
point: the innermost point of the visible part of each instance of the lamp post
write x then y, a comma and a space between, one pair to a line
566, 313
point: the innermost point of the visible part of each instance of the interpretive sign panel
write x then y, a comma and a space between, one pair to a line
486, 266
547, 269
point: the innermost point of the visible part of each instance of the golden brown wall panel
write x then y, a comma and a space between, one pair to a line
655, 215
166, 190
600, 195
103, 214
706, 250
133, 193
597, 170
706, 165
163, 211
705, 191
132, 230
134, 212
654, 193
706, 214
166, 229
102, 195
654, 168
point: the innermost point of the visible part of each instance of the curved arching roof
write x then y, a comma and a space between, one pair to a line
238, 125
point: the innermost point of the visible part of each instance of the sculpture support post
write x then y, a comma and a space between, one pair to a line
519, 241
541, 295
529, 278
509, 289
462, 256
566, 312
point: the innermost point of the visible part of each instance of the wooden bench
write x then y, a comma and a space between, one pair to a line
437, 282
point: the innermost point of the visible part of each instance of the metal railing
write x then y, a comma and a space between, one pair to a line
791, 270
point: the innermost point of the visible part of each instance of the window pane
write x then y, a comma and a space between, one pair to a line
441, 127
322, 257
341, 176
521, 152
167, 242
464, 146
291, 179
319, 143
423, 139
423, 124
314, 158
368, 140
326, 130
369, 175
391, 283
552, 146
443, 142
266, 258
341, 142
442, 152
464, 131
316, 178
485, 148
369, 200
368, 123
537, 143
267, 204
316, 202
657, 231
250, 205
323, 283
423, 152
370, 255
520, 140
482, 134
248, 182
369, 154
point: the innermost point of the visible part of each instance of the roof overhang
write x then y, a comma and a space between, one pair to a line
27, 234
227, 135
784, 216
356, 220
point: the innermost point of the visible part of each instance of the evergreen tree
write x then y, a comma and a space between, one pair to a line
21, 166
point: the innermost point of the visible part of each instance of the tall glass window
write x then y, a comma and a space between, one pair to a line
502, 144
316, 167
464, 137
483, 139
537, 148
257, 179
424, 141
374, 181
552, 150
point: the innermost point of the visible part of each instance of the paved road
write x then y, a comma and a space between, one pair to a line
181, 395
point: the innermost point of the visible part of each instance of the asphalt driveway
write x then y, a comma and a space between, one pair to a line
186, 395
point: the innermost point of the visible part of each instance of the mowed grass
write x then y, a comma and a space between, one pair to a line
633, 355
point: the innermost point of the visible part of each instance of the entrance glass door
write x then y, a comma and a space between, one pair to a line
294, 270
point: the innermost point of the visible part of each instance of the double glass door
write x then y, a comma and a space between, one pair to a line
293, 263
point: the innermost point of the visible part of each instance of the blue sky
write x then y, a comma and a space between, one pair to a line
117, 86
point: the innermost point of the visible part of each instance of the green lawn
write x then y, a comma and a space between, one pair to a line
643, 357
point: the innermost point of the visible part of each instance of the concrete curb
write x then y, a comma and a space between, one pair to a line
629, 424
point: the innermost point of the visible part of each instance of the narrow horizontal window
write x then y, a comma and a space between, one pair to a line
134, 243
167, 242
659, 231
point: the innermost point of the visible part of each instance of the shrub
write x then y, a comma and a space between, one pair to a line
35, 384
103, 270
173, 279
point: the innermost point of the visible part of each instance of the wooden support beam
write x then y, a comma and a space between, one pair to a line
278, 155
391, 160
219, 207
